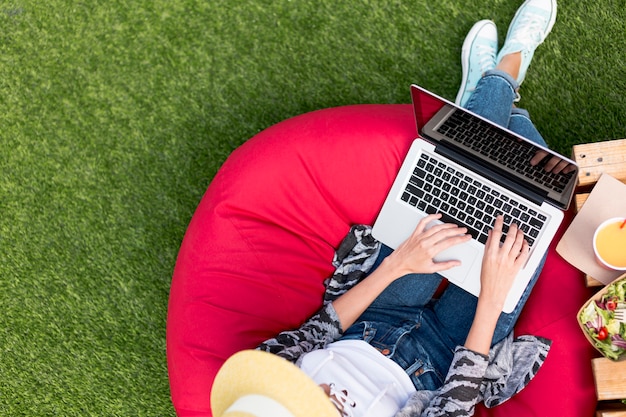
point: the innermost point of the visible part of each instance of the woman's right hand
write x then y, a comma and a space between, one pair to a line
415, 255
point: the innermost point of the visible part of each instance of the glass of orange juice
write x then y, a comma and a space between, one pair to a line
609, 244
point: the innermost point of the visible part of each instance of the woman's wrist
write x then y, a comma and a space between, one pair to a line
387, 269
353, 303
483, 327
392, 268
492, 303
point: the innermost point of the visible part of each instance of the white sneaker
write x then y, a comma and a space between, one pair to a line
529, 28
478, 55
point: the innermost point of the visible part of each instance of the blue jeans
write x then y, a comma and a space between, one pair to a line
493, 100
405, 322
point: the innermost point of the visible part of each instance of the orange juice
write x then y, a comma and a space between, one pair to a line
610, 243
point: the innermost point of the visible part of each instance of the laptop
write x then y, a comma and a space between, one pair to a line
471, 170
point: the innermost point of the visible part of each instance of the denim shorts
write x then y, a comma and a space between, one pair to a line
403, 343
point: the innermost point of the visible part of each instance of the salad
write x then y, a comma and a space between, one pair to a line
598, 320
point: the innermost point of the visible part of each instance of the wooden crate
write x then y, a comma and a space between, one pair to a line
611, 410
595, 159
610, 378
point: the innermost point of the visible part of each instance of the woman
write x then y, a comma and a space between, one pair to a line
387, 346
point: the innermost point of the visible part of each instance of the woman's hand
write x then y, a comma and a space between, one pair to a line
554, 164
416, 254
502, 262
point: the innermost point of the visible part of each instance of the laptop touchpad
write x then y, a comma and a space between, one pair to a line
466, 253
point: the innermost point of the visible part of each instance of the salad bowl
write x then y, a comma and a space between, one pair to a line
602, 320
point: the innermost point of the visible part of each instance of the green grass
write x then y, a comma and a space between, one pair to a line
115, 115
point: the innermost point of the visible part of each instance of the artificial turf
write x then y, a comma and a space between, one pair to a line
115, 115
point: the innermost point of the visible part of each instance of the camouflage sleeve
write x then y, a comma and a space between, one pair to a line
509, 368
316, 333
462, 389
459, 394
353, 259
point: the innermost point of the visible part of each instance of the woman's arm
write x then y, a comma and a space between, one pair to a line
501, 263
415, 255
461, 390
316, 333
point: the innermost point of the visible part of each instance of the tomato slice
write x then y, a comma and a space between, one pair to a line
611, 304
603, 333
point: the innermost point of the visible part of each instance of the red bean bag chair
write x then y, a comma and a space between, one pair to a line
260, 245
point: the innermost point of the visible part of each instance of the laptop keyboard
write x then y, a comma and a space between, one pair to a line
437, 187
480, 136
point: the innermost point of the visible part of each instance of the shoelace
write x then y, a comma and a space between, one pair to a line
486, 60
486, 57
341, 400
529, 28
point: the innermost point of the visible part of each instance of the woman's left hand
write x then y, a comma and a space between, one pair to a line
502, 262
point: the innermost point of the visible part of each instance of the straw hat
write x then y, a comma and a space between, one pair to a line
253, 383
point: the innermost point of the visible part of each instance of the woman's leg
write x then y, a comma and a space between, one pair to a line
521, 124
455, 310
448, 322
492, 99
400, 300
494, 96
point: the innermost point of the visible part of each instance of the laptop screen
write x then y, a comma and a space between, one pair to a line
537, 169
